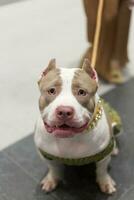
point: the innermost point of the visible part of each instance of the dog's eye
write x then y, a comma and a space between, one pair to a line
52, 91
82, 92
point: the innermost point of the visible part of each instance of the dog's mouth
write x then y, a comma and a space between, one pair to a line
65, 130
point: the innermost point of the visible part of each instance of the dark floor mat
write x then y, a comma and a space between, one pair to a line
21, 169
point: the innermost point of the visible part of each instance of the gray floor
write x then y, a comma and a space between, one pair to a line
21, 168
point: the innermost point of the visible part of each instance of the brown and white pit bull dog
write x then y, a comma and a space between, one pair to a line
73, 127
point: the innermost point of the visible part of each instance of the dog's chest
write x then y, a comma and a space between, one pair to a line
82, 145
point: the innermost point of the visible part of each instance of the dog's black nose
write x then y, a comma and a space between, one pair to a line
64, 112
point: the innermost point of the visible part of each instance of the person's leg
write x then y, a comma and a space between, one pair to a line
107, 35
90, 7
120, 53
119, 57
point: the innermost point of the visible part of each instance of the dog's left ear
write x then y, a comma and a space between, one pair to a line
89, 69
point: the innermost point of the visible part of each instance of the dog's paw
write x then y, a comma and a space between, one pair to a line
49, 183
107, 184
115, 151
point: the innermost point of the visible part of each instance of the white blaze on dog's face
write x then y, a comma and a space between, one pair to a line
67, 98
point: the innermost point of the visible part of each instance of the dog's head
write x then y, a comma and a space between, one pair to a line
67, 98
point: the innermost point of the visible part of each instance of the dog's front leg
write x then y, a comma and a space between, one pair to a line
106, 183
54, 175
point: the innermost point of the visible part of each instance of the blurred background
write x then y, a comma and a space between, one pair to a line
32, 32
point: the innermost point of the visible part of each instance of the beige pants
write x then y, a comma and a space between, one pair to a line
114, 34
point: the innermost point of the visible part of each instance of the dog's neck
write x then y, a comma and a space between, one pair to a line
97, 114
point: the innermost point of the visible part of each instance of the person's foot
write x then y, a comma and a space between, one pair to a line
115, 74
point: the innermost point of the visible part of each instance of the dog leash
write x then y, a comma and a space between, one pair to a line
97, 33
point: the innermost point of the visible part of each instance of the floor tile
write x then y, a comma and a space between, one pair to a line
25, 154
15, 184
129, 195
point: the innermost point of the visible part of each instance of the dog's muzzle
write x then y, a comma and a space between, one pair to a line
65, 130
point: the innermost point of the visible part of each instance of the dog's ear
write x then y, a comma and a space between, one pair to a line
89, 69
51, 66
